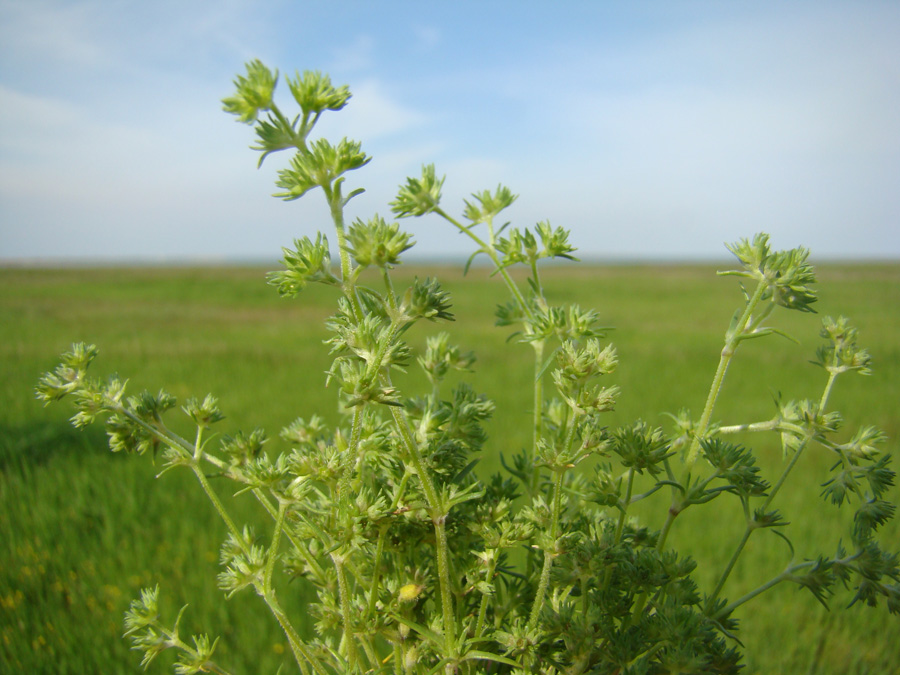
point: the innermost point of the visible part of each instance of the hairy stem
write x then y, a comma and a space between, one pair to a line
344, 484
443, 563
295, 542
220, 508
438, 518
376, 569
268, 593
538, 432
544, 582
272, 556
298, 648
731, 344
336, 205
346, 612
538, 413
482, 610
769, 425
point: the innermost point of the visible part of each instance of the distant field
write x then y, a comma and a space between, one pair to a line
84, 530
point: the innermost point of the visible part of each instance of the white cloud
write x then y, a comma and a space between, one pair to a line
693, 127
371, 114
355, 56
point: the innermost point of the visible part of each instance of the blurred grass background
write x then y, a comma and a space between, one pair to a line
84, 530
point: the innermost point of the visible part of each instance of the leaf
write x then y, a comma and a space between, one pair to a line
486, 656
469, 261
787, 541
465, 471
762, 332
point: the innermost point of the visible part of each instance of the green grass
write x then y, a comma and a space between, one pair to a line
84, 529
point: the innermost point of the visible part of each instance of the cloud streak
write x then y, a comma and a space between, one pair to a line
652, 131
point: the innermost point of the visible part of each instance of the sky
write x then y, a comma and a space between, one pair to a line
653, 130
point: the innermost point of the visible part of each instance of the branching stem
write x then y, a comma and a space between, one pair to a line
488, 248
750, 528
735, 334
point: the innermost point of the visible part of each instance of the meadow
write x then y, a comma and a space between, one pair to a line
83, 530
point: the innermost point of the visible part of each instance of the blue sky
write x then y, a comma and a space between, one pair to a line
653, 130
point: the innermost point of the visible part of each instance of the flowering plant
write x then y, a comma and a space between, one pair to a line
420, 564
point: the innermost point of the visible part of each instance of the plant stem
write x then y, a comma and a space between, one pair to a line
538, 426
399, 654
544, 582
161, 432
344, 484
297, 647
389, 287
620, 526
832, 376
769, 425
273, 547
729, 567
299, 546
538, 412
438, 517
733, 338
336, 205
771, 496
376, 569
443, 563
346, 614
752, 594
731, 343
220, 508
489, 249
641, 601
268, 593
482, 610
784, 474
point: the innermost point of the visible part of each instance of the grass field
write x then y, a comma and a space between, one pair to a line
83, 530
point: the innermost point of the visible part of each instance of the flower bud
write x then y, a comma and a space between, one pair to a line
410, 592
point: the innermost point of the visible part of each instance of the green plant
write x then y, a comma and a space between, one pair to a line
420, 564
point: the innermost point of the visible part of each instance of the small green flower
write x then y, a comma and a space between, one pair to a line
426, 300
489, 204
377, 243
308, 262
314, 92
419, 196
320, 166
254, 92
